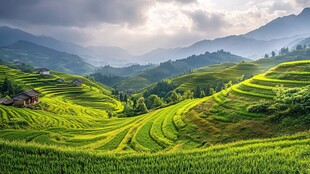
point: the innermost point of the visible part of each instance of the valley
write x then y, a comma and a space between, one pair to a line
155, 87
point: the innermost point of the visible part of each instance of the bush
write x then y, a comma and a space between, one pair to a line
259, 108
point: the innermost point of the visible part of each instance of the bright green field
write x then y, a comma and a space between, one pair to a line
73, 134
231, 71
290, 154
224, 117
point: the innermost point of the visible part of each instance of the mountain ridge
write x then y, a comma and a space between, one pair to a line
40, 56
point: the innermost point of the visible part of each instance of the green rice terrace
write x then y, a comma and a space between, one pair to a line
70, 130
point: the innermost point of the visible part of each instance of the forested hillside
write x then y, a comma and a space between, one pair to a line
174, 68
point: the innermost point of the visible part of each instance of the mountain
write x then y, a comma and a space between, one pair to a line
97, 56
39, 56
303, 42
239, 45
286, 26
178, 67
281, 32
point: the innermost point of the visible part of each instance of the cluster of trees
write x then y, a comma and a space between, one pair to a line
20, 66
10, 88
301, 47
122, 96
163, 94
289, 102
107, 79
211, 88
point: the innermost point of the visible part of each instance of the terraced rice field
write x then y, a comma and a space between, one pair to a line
151, 132
263, 85
224, 116
288, 154
76, 116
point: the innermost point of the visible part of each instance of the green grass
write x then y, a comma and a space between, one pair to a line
72, 131
224, 117
288, 154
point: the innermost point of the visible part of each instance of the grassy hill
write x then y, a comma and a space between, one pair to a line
62, 104
288, 154
225, 116
168, 128
42, 57
232, 71
173, 68
173, 131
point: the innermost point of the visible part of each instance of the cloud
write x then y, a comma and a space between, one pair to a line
211, 23
78, 13
281, 6
303, 3
178, 1
142, 25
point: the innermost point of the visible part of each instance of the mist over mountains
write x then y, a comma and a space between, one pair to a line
282, 32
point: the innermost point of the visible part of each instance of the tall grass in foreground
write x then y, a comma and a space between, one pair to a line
289, 154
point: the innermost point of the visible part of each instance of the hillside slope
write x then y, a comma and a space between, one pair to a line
227, 72
189, 124
39, 56
178, 67
61, 103
282, 27
255, 107
288, 154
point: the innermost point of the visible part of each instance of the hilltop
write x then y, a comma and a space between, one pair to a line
235, 72
278, 33
39, 56
173, 68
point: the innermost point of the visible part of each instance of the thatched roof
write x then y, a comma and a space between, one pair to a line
26, 95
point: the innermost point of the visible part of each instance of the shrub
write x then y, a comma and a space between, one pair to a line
259, 108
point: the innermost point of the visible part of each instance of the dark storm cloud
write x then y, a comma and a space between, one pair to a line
74, 12
208, 22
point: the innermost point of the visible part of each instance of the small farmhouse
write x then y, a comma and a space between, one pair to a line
43, 71
77, 82
26, 98
6, 102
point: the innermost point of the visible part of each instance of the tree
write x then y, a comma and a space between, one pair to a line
121, 98
153, 101
188, 95
212, 91
229, 84
5, 85
140, 106
219, 87
266, 56
10, 88
207, 90
299, 47
197, 93
273, 54
174, 97
284, 50
125, 97
128, 110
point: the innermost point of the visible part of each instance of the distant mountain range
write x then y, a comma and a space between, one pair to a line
282, 32
39, 56
173, 68
94, 55
276, 34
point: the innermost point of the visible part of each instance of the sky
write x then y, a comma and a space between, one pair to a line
142, 25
